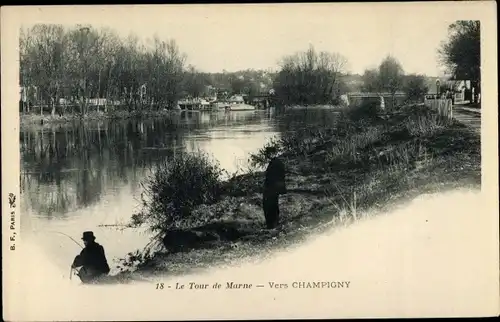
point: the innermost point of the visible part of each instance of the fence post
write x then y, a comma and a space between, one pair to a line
450, 102
444, 107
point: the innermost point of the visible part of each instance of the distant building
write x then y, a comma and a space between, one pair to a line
459, 90
447, 84
193, 104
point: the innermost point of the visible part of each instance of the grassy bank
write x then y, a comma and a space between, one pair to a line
34, 119
366, 161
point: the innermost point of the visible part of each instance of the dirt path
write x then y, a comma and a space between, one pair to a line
468, 116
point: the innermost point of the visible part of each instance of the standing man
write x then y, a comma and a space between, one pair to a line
92, 259
274, 185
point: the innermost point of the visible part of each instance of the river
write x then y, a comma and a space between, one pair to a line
83, 176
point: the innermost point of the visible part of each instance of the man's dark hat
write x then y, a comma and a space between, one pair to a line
88, 235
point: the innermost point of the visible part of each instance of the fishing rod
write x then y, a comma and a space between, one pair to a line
58, 232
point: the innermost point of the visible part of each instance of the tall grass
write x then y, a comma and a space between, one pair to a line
361, 135
425, 122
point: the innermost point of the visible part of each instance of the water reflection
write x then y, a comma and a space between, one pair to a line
68, 167
65, 168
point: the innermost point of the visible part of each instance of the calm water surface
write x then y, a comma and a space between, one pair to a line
78, 177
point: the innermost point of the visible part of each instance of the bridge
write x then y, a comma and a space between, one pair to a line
261, 99
349, 98
355, 95
354, 98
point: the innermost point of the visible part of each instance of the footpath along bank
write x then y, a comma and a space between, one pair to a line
365, 161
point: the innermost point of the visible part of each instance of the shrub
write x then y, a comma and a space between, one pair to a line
176, 187
270, 150
415, 87
243, 185
302, 143
366, 111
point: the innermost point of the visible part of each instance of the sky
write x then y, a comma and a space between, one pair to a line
235, 37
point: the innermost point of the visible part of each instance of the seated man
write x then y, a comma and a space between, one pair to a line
92, 260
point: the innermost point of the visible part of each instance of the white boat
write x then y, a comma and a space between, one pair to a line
194, 104
240, 107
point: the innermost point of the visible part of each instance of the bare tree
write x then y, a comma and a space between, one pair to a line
388, 78
43, 62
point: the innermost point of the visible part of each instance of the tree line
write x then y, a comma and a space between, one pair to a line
83, 62
459, 54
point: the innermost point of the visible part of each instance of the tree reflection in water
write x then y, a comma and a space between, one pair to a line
64, 168
68, 167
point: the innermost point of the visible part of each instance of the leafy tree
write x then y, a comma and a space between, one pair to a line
461, 53
370, 81
238, 84
390, 76
415, 87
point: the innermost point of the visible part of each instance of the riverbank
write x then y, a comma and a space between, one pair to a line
36, 120
366, 162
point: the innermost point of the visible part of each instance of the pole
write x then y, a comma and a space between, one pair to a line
58, 232
83, 53
99, 91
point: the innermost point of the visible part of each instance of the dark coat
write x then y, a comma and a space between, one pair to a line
274, 182
274, 185
93, 259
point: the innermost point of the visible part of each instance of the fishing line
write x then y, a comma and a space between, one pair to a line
58, 232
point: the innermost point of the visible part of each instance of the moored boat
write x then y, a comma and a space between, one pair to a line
240, 107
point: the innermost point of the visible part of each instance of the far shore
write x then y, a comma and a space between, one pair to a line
28, 120
34, 119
